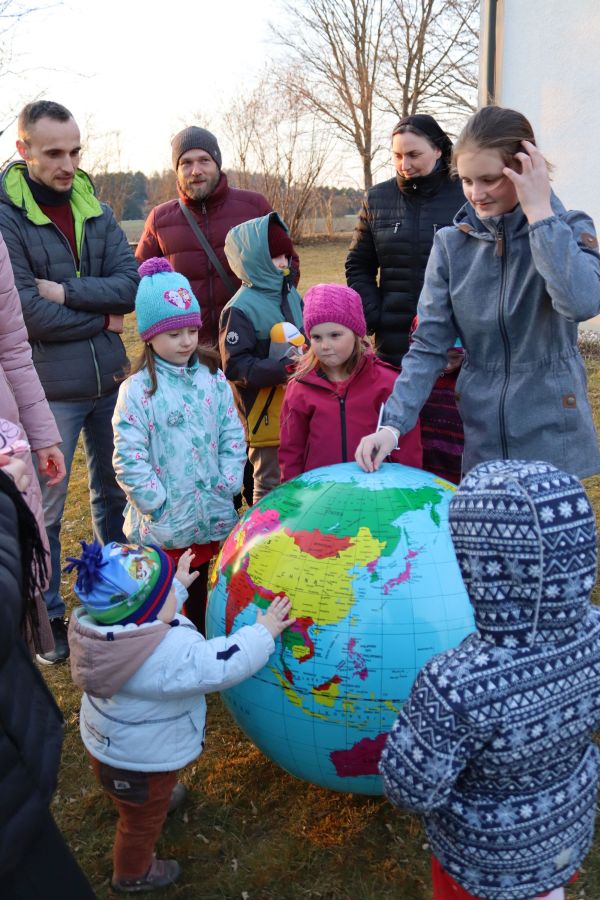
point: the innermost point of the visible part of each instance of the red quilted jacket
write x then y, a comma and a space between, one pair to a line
166, 233
322, 424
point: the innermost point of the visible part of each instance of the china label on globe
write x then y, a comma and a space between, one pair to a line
367, 561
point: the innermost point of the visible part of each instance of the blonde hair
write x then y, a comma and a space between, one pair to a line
310, 360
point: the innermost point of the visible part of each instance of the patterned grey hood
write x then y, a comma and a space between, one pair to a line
525, 539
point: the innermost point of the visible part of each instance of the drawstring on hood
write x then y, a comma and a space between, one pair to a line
525, 539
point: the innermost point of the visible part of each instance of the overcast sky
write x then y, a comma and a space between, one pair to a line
138, 68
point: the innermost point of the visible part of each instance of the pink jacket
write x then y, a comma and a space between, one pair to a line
22, 400
322, 424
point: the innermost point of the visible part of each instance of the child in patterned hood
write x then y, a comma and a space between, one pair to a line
179, 444
494, 744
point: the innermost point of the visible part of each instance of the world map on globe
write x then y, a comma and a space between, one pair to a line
367, 561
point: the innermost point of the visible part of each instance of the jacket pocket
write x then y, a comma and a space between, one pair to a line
95, 736
176, 526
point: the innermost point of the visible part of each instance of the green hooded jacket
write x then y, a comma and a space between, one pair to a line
257, 370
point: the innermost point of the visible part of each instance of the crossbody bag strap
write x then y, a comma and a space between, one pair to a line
204, 243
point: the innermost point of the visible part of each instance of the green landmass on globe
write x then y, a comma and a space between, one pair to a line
368, 564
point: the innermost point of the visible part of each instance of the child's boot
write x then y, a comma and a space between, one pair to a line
161, 874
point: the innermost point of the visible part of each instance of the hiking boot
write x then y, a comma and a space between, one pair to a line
161, 874
61, 650
178, 795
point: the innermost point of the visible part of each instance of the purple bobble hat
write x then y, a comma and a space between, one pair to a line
334, 303
164, 300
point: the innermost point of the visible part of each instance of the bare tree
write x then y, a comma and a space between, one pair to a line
12, 13
334, 47
279, 150
430, 58
352, 60
161, 186
242, 123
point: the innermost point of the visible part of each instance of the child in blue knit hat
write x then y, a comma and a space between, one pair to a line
145, 669
494, 744
179, 444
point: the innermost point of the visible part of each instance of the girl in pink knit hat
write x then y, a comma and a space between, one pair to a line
337, 388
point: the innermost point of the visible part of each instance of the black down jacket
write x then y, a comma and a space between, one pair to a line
30, 721
393, 235
76, 357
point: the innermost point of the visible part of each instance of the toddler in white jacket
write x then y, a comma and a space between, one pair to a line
145, 669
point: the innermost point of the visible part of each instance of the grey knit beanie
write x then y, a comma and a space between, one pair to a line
194, 138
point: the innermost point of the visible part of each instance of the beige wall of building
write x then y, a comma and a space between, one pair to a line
548, 67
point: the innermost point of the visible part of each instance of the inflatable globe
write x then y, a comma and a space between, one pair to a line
368, 564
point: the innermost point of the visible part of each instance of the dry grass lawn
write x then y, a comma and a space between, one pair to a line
249, 830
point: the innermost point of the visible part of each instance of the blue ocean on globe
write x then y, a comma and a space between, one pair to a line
367, 561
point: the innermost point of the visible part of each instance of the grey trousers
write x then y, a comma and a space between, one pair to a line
266, 470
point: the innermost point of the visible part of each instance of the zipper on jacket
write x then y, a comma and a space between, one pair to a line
397, 226
501, 252
500, 241
415, 289
91, 340
264, 413
78, 275
343, 424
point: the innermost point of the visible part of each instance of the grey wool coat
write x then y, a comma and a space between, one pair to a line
513, 293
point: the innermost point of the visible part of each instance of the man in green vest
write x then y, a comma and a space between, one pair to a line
76, 278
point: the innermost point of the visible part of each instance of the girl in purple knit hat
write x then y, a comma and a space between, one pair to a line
179, 444
337, 388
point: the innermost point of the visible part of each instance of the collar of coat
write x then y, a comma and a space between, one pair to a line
84, 203
317, 378
425, 186
513, 223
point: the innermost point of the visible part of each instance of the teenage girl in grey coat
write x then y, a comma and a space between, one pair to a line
511, 278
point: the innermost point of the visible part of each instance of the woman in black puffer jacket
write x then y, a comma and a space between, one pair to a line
35, 862
395, 230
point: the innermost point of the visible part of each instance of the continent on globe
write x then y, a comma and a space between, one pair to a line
368, 564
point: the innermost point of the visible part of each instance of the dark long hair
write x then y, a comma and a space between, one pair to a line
34, 562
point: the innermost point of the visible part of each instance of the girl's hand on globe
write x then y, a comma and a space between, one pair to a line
374, 448
277, 618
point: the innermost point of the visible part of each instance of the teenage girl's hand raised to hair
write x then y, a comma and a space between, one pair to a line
277, 618
531, 183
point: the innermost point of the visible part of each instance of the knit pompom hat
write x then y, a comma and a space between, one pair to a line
164, 300
122, 583
334, 303
195, 138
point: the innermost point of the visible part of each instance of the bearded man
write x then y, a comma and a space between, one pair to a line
207, 202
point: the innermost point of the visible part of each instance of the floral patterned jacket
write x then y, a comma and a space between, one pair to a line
179, 455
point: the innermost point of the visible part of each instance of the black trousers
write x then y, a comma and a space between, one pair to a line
195, 605
47, 871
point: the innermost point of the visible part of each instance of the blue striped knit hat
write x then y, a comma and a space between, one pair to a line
122, 583
164, 301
